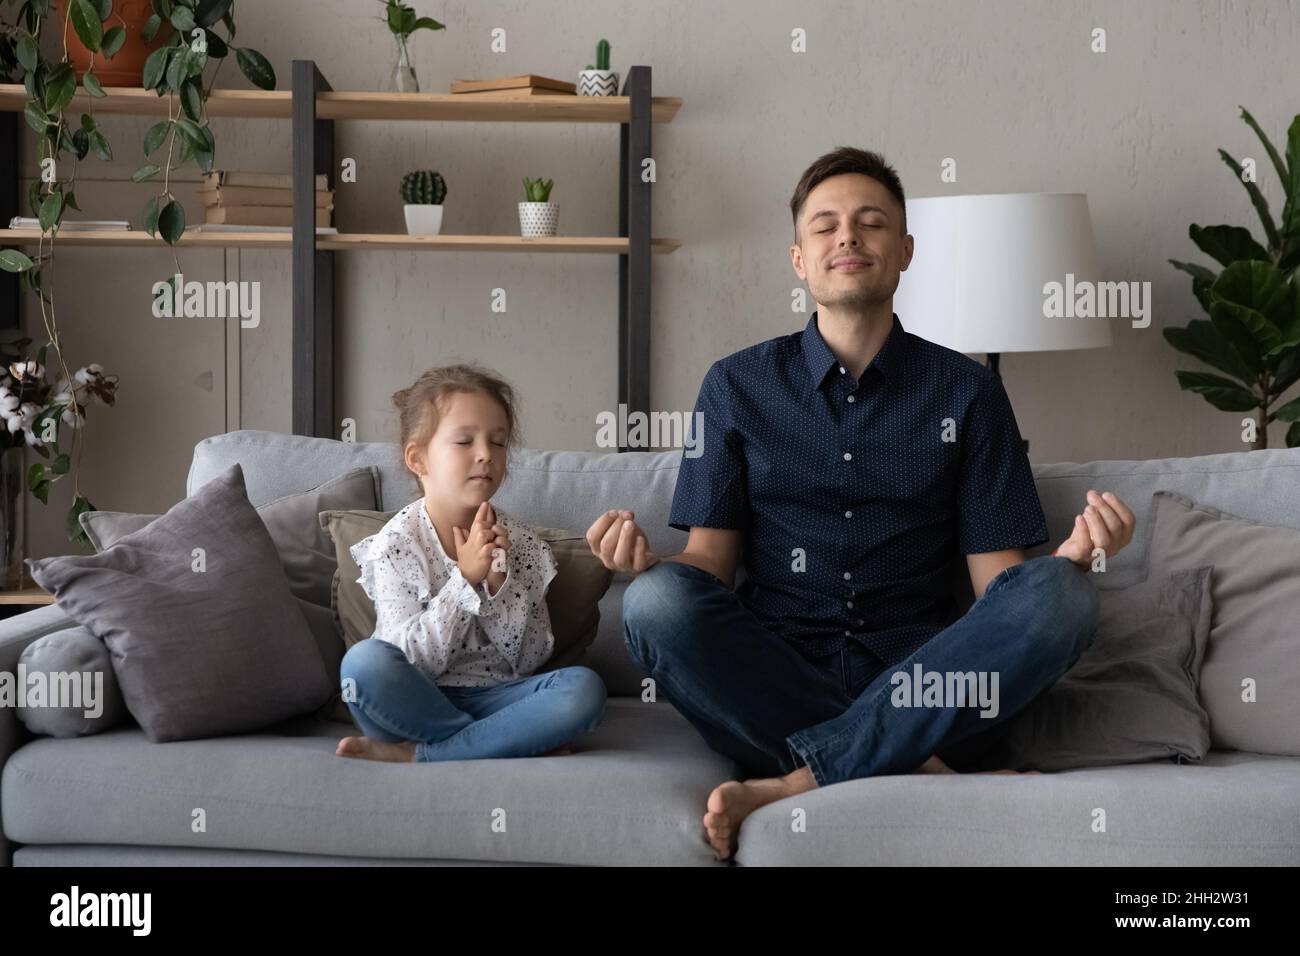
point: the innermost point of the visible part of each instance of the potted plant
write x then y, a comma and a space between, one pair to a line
423, 192
126, 43
33, 412
537, 216
1253, 333
402, 22
598, 80
174, 70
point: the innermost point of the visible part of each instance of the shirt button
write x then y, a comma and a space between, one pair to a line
848, 633
841, 369
847, 575
850, 604
848, 514
848, 456
850, 398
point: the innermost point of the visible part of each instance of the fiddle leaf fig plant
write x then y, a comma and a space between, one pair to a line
1253, 303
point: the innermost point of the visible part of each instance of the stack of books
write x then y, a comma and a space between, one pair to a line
233, 198
524, 86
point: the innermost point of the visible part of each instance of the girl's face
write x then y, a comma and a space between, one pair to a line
465, 460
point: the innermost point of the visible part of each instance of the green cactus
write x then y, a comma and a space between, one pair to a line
424, 187
536, 190
602, 55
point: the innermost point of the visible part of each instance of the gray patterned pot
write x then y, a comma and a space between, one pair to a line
538, 218
597, 83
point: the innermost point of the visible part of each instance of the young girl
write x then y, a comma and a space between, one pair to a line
460, 599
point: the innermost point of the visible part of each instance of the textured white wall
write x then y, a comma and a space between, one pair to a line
1011, 90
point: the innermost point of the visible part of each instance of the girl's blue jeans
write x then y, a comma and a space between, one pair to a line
754, 698
396, 701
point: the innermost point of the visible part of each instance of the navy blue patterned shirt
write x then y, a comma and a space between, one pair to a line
857, 498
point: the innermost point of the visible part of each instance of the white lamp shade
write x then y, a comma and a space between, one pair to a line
979, 267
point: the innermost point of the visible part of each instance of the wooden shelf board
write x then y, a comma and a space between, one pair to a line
138, 238
30, 595
596, 244
361, 105
344, 241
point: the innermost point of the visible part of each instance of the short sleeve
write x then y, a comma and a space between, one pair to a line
711, 489
997, 501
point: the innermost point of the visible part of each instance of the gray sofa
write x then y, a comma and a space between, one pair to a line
634, 791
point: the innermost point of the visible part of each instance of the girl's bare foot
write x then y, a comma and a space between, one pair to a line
368, 748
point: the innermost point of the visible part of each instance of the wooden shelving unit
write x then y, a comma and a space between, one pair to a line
313, 107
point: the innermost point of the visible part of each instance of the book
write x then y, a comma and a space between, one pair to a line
528, 94
73, 225
258, 216
258, 196
523, 81
236, 177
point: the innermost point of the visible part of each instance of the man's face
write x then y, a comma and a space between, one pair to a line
852, 248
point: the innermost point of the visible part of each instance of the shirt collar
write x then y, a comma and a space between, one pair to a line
821, 359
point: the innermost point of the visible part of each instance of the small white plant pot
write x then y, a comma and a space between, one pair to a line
597, 83
423, 219
538, 219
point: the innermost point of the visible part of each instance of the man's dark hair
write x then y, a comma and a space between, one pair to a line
846, 159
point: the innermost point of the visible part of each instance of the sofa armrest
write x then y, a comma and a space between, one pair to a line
15, 634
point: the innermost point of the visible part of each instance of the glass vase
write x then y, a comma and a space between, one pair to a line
402, 79
11, 539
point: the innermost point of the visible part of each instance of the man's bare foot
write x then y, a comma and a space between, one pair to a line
731, 802
368, 748
935, 765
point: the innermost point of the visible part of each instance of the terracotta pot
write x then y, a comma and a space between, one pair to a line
127, 67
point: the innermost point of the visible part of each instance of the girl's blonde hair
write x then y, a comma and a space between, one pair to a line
420, 406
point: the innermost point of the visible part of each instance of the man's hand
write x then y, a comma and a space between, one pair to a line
474, 547
619, 543
1105, 523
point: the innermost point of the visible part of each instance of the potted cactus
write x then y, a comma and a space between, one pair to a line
598, 80
537, 216
423, 192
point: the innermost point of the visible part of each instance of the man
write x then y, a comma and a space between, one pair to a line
852, 463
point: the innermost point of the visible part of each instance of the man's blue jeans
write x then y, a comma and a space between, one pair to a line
754, 698
396, 701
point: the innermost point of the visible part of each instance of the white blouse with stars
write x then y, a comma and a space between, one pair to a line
458, 634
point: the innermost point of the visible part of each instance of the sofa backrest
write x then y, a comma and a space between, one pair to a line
568, 489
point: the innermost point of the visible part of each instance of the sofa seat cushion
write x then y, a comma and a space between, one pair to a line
1233, 808
633, 792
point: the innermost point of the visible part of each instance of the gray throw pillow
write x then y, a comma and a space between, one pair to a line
76, 672
1132, 695
1250, 686
195, 608
305, 549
